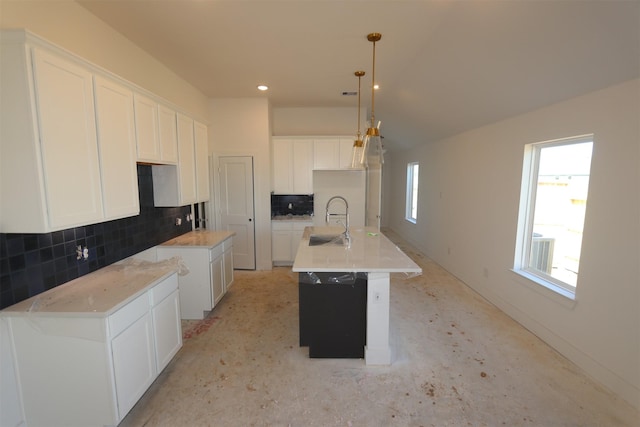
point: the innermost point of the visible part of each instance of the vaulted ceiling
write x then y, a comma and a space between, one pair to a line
443, 66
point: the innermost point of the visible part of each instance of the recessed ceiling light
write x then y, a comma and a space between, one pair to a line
263, 87
376, 87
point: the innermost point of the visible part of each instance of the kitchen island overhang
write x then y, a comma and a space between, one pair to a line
367, 251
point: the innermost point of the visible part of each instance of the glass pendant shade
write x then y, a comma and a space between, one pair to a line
357, 153
373, 154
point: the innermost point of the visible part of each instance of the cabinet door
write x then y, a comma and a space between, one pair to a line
186, 160
217, 279
302, 166
167, 134
69, 147
228, 268
167, 329
116, 142
146, 113
282, 172
326, 153
202, 161
281, 245
133, 363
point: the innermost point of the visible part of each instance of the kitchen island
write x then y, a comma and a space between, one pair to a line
367, 251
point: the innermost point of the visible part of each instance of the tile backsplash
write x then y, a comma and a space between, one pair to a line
293, 204
33, 263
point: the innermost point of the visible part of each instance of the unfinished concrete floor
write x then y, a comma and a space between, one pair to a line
459, 361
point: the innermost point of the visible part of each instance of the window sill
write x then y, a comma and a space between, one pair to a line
412, 221
547, 289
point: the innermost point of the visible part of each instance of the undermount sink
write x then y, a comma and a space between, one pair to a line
326, 239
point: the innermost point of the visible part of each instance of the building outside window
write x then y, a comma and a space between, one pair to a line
411, 210
553, 203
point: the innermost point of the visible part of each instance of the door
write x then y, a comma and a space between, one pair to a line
236, 208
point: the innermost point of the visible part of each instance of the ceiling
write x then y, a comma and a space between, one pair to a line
444, 66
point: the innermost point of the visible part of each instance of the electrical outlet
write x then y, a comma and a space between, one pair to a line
178, 221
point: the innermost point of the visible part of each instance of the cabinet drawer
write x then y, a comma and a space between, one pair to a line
164, 289
215, 252
227, 244
281, 225
127, 315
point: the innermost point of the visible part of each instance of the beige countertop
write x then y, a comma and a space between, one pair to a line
370, 251
200, 238
96, 294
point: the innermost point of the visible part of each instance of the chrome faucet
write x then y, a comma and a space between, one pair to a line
347, 236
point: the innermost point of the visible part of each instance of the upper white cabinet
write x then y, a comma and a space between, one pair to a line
176, 186
116, 143
167, 134
147, 138
156, 135
292, 166
295, 158
48, 141
202, 161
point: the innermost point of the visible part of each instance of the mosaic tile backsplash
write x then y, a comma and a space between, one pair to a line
33, 263
292, 204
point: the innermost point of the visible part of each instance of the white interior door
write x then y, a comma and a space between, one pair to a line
236, 208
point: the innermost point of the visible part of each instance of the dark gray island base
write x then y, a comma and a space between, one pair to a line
333, 314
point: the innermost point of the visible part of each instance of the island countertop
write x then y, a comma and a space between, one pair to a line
199, 238
370, 251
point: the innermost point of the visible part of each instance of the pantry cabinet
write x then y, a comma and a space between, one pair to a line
202, 161
86, 354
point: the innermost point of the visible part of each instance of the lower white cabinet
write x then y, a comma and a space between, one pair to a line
209, 276
77, 369
285, 238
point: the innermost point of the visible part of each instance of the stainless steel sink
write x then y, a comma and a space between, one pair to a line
326, 239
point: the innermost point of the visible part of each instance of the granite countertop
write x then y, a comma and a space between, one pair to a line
96, 294
199, 238
369, 251
292, 218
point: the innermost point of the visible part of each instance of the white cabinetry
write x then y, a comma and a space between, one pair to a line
332, 153
167, 134
292, 166
79, 369
209, 276
147, 138
116, 142
202, 161
48, 142
75, 171
179, 185
285, 238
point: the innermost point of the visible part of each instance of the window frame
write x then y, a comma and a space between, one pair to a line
526, 215
411, 198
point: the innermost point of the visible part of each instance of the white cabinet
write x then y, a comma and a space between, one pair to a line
116, 143
167, 134
285, 238
202, 161
76, 156
156, 134
210, 274
84, 368
292, 166
147, 138
176, 185
47, 105
326, 153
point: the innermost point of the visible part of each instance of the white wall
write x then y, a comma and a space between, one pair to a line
72, 27
241, 127
467, 217
318, 121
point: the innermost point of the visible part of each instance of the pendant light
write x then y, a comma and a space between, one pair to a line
358, 145
372, 153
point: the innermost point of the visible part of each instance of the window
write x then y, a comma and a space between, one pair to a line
411, 210
555, 183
